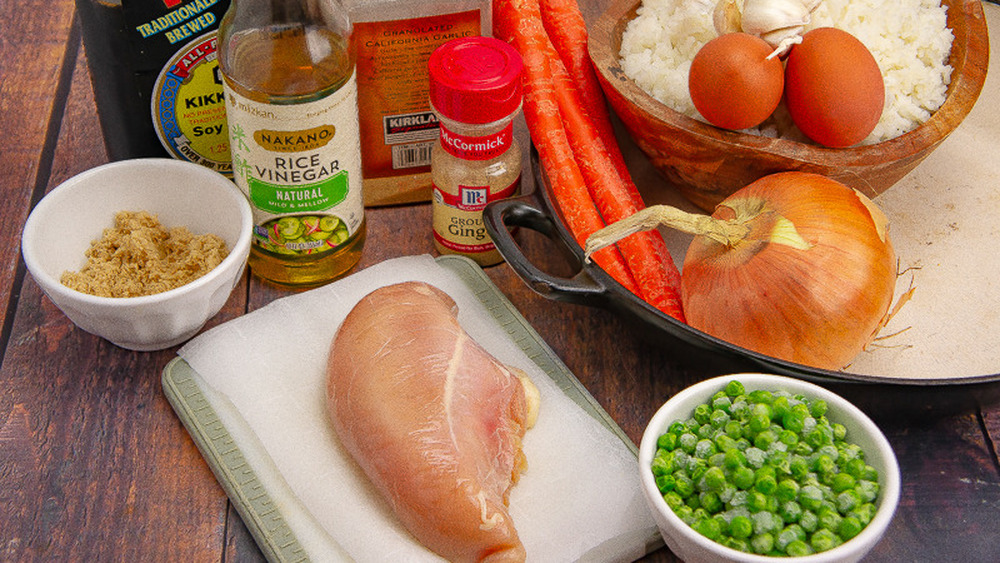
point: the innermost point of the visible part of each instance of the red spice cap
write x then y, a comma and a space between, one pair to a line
475, 79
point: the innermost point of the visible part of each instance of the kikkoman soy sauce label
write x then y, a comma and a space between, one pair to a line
300, 165
189, 108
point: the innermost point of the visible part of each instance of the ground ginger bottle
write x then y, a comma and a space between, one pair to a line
475, 90
291, 103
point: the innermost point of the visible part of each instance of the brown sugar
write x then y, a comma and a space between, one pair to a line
139, 256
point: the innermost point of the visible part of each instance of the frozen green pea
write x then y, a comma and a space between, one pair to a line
766, 484
673, 500
762, 543
743, 478
734, 429
761, 396
863, 513
798, 548
741, 527
849, 527
811, 497
787, 490
823, 540
790, 511
759, 422
665, 483
683, 485
668, 441
688, 441
710, 501
848, 501
842, 482
722, 404
829, 518
789, 534
702, 413
734, 388
809, 521
714, 479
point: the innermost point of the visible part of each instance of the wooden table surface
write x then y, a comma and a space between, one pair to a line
95, 466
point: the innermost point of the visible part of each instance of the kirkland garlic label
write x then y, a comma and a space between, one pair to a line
300, 165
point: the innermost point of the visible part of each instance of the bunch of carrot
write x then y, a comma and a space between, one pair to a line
569, 123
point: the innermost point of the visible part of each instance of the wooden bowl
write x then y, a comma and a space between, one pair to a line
708, 164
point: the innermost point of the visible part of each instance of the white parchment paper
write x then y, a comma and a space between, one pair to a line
579, 500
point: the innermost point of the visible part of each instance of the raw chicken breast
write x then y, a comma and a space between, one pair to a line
433, 420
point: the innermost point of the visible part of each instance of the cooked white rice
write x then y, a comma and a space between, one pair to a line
909, 39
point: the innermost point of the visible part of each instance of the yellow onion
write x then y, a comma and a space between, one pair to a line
795, 266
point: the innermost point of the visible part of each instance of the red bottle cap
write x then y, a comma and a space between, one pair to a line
475, 79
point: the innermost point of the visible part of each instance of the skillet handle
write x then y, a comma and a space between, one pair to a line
501, 215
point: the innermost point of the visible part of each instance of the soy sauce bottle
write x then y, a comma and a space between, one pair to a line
155, 76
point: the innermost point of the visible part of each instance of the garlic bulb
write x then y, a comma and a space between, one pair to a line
727, 16
779, 22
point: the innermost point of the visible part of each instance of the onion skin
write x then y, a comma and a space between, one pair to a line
816, 303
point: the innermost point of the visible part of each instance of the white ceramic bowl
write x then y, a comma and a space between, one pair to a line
692, 547
61, 227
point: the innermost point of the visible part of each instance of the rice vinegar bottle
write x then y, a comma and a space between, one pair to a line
291, 105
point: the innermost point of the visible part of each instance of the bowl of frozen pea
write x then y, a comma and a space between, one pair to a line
752, 467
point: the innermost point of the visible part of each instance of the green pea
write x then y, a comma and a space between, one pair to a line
714, 479
687, 442
711, 502
743, 478
734, 388
722, 404
798, 548
667, 441
823, 540
766, 484
665, 483
673, 500
762, 543
842, 482
849, 527
809, 521
683, 485
702, 413
790, 511
787, 490
761, 396
734, 429
740, 527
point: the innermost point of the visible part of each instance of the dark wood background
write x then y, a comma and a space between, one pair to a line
95, 466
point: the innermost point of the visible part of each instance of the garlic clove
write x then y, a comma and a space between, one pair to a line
764, 17
811, 5
726, 16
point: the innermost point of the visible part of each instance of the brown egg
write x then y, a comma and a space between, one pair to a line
833, 88
733, 83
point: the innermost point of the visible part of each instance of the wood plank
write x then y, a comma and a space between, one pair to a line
98, 440
31, 58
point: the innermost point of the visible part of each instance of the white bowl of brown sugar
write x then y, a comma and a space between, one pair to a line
140, 252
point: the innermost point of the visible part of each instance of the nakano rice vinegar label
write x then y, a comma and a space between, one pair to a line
300, 166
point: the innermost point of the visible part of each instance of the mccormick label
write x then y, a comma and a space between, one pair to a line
458, 218
477, 148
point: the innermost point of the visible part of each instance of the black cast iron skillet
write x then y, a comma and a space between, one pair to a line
591, 286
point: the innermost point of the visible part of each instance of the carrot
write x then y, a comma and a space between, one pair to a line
597, 158
645, 252
519, 25
567, 30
